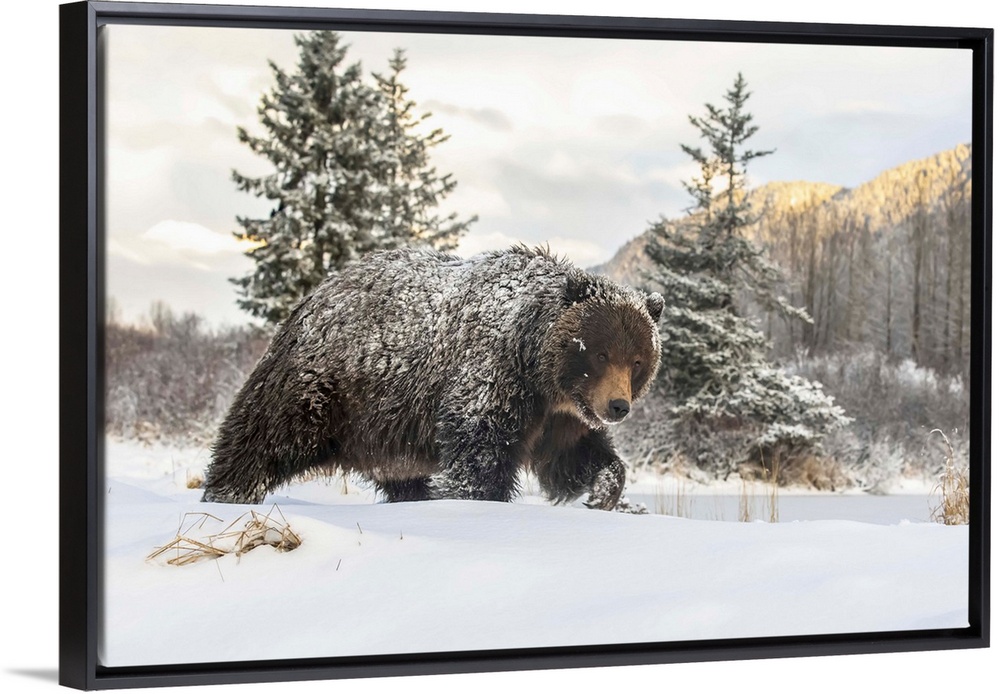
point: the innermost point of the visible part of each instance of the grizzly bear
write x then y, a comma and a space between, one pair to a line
437, 377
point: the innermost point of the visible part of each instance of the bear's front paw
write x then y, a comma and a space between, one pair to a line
607, 487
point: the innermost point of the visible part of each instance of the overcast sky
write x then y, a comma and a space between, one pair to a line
568, 141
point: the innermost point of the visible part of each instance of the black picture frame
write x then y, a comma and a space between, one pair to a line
81, 341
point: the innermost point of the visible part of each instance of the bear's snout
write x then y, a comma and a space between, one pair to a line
618, 409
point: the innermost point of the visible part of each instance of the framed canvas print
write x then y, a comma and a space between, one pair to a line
425, 342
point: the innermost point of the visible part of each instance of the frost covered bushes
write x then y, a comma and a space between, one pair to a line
890, 397
892, 406
895, 405
716, 445
175, 377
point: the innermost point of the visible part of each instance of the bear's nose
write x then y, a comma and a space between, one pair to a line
618, 408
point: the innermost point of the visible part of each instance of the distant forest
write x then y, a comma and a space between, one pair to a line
888, 264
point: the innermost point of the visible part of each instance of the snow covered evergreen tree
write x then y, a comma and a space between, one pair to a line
413, 187
727, 404
352, 175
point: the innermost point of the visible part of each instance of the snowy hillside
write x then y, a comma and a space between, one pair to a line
374, 578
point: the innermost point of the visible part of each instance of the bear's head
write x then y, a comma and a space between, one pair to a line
604, 349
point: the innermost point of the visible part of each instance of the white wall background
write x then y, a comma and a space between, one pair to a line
29, 385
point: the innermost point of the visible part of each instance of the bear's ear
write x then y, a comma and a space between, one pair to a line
654, 304
579, 287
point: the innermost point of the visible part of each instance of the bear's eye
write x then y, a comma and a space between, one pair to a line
637, 365
602, 357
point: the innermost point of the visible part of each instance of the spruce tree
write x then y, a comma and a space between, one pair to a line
351, 175
726, 402
413, 188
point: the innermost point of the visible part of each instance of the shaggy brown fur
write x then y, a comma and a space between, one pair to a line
437, 377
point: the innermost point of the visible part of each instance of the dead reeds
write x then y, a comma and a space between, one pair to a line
953, 487
257, 529
678, 503
750, 507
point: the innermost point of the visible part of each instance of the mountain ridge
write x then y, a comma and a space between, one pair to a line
885, 201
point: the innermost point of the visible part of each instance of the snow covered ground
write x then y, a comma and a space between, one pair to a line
373, 578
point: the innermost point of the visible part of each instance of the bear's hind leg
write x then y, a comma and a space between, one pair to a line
269, 437
244, 473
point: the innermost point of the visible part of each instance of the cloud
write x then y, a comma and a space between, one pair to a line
573, 196
489, 117
470, 199
192, 238
117, 248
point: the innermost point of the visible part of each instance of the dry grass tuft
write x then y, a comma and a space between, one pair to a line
953, 487
258, 529
678, 504
772, 491
746, 512
749, 476
194, 480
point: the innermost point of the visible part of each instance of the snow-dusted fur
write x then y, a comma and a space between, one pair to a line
438, 377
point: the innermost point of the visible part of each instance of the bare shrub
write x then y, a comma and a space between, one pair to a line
175, 377
953, 486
